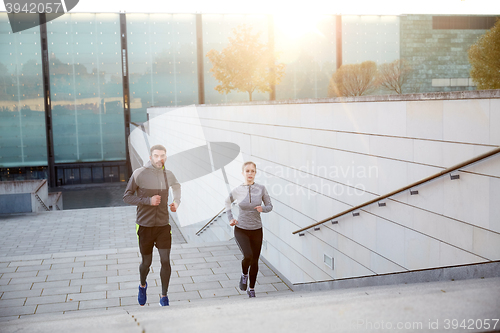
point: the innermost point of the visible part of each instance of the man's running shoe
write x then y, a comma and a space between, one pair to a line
141, 298
243, 282
251, 293
164, 301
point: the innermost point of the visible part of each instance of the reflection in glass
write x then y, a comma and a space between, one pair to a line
162, 61
86, 88
22, 119
216, 30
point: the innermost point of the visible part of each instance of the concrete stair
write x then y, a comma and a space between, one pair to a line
419, 307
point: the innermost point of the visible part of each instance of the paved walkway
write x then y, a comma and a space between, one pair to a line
87, 260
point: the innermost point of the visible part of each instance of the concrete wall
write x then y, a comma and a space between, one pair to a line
24, 196
318, 158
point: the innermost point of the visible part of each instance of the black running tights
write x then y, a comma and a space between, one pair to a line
250, 243
165, 270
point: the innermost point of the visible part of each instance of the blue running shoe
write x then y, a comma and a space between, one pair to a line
141, 298
251, 293
164, 301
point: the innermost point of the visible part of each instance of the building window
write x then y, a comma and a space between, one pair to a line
463, 22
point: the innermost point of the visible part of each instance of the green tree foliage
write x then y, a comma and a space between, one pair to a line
245, 64
392, 76
484, 57
354, 80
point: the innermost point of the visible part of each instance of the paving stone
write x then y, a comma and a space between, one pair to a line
61, 290
83, 269
21, 293
93, 258
178, 268
122, 278
181, 280
80, 282
59, 277
12, 302
87, 296
58, 260
101, 262
28, 279
218, 292
17, 310
123, 266
196, 255
25, 263
56, 307
207, 278
229, 269
264, 287
202, 286
269, 279
5, 281
14, 287
33, 268
52, 284
188, 295
230, 257
19, 275
135, 260
189, 261
45, 299
96, 304
112, 272
125, 292
195, 272
86, 288
280, 286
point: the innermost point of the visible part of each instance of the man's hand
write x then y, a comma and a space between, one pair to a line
233, 222
173, 206
259, 209
155, 200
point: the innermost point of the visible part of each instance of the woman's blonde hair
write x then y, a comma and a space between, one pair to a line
247, 163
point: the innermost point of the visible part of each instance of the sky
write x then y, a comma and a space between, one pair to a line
346, 7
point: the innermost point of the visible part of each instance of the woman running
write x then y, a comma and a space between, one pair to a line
252, 199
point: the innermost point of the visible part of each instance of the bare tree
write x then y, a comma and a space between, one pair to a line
354, 80
393, 76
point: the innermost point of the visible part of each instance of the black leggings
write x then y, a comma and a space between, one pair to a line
250, 243
165, 270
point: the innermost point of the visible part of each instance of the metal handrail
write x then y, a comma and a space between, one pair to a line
439, 174
209, 222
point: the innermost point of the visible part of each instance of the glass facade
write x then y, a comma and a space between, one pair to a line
370, 38
216, 30
22, 118
86, 88
86, 78
162, 61
308, 49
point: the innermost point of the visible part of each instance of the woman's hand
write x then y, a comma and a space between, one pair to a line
233, 222
259, 209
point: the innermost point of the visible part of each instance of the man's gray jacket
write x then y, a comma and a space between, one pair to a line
148, 181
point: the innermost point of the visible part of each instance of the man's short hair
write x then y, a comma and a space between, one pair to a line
157, 147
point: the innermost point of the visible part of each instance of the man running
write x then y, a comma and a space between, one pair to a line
148, 190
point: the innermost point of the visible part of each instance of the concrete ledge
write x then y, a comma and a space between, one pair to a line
464, 272
453, 95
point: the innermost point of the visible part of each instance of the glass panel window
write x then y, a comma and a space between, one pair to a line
86, 88
370, 38
22, 118
307, 46
216, 30
161, 61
